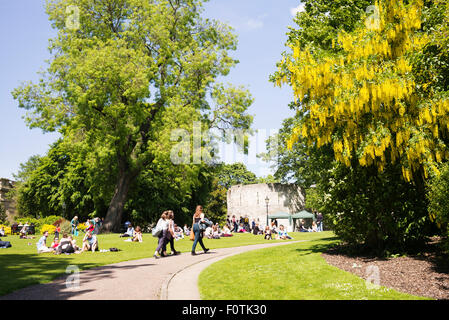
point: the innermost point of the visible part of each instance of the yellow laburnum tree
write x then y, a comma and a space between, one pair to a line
363, 98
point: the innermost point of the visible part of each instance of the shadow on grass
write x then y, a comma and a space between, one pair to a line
20, 276
319, 247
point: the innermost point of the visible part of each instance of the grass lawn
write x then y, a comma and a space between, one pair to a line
21, 266
292, 272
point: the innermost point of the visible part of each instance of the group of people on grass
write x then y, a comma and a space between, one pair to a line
134, 235
67, 244
92, 225
168, 232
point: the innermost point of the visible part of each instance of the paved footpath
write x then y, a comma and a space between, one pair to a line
170, 278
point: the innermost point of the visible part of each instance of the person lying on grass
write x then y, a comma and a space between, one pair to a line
282, 234
90, 242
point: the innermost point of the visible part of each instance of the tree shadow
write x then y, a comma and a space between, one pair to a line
431, 252
318, 247
20, 276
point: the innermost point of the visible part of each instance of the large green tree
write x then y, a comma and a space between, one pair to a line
124, 74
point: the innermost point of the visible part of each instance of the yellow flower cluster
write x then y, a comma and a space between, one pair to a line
6, 229
368, 90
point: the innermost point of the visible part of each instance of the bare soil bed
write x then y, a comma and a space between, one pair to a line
424, 275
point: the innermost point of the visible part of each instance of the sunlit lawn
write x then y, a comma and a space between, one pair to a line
292, 272
21, 266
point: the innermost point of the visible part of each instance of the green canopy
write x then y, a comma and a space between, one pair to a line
281, 215
303, 215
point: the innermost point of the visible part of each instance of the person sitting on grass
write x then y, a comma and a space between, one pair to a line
55, 243
208, 233
179, 234
24, 231
302, 226
241, 229
282, 234
267, 233
129, 232
41, 244
186, 230
137, 235
65, 245
226, 232
90, 242
216, 233
73, 243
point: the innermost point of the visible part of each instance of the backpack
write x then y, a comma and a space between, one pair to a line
158, 229
203, 225
5, 244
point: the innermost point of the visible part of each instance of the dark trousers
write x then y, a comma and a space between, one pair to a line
160, 243
198, 238
168, 238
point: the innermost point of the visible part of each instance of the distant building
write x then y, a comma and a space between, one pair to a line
5, 186
249, 200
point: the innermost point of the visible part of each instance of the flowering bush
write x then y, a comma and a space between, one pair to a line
82, 227
7, 229
66, 227
48, 227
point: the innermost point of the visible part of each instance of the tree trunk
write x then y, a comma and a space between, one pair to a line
114, 215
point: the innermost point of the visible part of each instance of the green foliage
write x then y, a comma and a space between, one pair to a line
66, 227
302, 164
39, 223
321, 21
314, 199
380, 211
216, 205
438, 196
61, 182
234, 174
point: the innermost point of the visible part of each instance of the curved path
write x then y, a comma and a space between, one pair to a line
170, 278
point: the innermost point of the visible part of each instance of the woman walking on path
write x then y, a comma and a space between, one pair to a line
163, 224
198, 217
169, 234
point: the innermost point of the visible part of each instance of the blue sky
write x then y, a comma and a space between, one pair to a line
261, 26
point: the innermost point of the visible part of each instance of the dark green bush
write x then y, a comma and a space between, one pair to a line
438, 196
378, 211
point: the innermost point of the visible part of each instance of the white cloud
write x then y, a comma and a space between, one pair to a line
256, 23
300, 8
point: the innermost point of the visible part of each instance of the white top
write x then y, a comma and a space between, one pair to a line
163, 224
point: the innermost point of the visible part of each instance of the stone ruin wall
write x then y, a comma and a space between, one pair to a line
9, 205
250, 200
